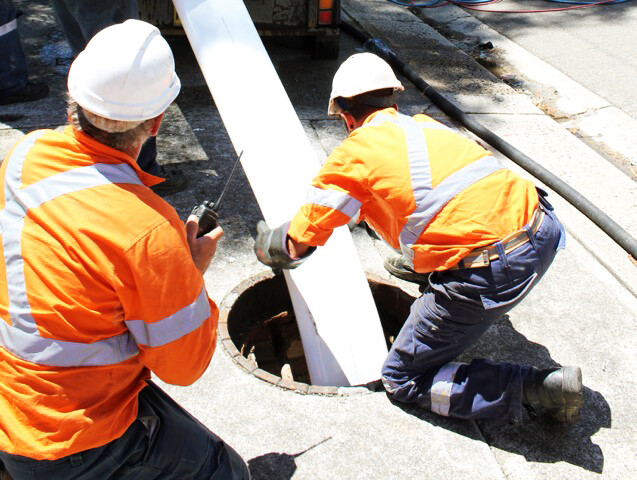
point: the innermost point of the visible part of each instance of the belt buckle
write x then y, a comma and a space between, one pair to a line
484, 258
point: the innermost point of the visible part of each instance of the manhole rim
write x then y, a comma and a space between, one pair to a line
223, 333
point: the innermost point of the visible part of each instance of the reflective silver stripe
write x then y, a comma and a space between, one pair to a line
60, 184
441, 388
13, 174
173, 327
440, 196
420, 172
23, 338
429, 201
379, 119
11, 222
8, 27
334, 199
30, 346
19, 308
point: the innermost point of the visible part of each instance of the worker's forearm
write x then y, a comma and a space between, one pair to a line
296, 249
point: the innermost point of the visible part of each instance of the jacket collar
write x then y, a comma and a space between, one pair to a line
386, 111
116, 155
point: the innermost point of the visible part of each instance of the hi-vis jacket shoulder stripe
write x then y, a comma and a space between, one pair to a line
333, 199
22, 337
429, 200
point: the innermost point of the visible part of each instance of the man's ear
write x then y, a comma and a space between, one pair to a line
350, 121
156, 124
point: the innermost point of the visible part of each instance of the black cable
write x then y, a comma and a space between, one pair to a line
596, 215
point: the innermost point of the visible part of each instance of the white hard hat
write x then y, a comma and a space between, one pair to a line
361, 73
126, 72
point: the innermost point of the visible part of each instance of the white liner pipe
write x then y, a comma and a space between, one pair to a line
338, 321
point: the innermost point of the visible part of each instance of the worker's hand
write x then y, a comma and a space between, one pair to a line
203, 248
271, 247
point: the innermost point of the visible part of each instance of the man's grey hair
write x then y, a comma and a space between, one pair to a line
117, 134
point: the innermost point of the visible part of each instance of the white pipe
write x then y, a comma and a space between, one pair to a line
339, 325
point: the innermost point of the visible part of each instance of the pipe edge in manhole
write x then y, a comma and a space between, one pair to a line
258, 329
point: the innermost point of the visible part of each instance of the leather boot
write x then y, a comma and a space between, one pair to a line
558, 390
32, 91
397, 267
175, 181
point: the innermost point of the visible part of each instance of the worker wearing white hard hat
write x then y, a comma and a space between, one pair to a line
360, 74
117, 83
105, 286
475, 236
80, 22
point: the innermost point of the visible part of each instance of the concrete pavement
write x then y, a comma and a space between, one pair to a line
583, 312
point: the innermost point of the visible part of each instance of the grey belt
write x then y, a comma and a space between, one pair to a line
482, 256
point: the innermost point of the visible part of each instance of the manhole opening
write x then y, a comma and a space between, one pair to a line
259, 329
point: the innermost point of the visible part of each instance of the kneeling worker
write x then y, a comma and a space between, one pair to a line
101, 283
476, 236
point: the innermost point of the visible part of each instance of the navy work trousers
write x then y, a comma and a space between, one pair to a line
13, 65
163, 442
81, 20
456, 308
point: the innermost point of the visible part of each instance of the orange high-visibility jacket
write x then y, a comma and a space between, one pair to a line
427, 190
97, 287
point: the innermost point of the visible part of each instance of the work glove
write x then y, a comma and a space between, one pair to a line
271, 247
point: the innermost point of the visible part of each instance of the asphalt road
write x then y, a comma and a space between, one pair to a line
596, 47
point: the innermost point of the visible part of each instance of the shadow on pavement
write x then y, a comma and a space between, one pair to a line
546, 441
276, 466
272, 466
538, 438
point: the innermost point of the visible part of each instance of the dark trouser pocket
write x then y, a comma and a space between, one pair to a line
507, 296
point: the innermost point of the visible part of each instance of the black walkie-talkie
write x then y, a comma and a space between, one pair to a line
208, 212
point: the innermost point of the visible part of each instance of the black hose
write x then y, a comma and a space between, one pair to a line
597, 216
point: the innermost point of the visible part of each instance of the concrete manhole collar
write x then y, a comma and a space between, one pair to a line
257, 327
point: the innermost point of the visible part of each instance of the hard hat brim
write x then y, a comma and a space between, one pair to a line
334, 109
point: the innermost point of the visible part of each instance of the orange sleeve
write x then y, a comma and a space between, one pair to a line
336, 194
166, 307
